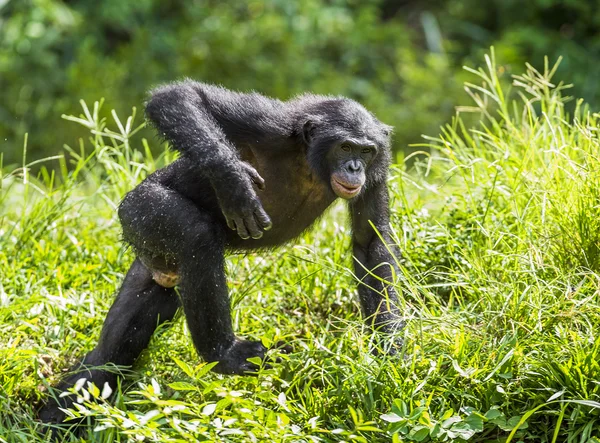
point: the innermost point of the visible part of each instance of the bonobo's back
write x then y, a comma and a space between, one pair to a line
244, 117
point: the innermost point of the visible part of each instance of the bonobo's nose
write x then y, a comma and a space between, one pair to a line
353, 166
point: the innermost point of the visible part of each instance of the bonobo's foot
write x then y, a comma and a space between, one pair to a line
388, 338
54, 422
51, 412
385, 345
235, 359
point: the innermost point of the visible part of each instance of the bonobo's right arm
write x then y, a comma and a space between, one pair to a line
181, 113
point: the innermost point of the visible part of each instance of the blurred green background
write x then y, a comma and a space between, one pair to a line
402, 59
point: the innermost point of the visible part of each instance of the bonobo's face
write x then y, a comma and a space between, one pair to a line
349, 161
347, 147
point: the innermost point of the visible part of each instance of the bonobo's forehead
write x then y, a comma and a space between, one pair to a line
350, 120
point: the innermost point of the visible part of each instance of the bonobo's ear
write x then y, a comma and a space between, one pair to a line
308, 131
387, 130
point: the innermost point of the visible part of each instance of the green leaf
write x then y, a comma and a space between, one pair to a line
368, 428
493, 414
590, 403
555, 396
416, 413
209, 409
183, 386
475, 421
391, 417
184, 367
419, 433
462, 430
451, 421
255, 360
514, 421
205, 369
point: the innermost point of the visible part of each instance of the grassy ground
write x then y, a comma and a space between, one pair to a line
500, 284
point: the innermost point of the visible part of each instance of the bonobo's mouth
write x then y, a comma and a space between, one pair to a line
344, 189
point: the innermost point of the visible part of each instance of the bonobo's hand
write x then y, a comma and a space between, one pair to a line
240, 204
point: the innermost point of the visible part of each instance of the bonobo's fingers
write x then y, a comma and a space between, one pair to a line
241, 206
263, 219
255, 232
241, 228
230, 223
254, 175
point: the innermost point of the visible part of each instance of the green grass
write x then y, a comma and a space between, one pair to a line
499, 230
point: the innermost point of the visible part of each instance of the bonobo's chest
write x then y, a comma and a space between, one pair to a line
293, 197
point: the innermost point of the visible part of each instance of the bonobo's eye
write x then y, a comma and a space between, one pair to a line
366, 150
346, 147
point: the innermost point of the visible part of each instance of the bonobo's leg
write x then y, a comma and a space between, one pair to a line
139, 308
166, 224
206, 304
374, 263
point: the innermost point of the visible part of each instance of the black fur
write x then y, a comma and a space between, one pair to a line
251, 166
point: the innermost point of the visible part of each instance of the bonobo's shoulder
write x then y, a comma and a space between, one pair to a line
215, 94
221, 93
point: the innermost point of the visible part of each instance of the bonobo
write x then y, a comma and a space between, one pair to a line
254, 173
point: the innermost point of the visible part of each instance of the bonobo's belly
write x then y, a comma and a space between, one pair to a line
293, 198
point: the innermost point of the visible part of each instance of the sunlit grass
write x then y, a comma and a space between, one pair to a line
500, 234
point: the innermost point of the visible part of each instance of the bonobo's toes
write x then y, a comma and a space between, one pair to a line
387, 344
235, 359
53, 419
50, 413
283, 347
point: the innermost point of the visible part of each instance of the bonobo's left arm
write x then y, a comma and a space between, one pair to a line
373, 262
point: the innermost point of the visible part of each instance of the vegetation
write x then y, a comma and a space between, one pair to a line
500, 284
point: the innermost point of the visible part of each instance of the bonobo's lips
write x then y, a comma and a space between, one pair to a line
343, 189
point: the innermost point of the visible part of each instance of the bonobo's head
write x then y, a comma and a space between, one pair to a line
347, 146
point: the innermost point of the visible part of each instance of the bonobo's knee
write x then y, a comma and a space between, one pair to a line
144, 214
133, 205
